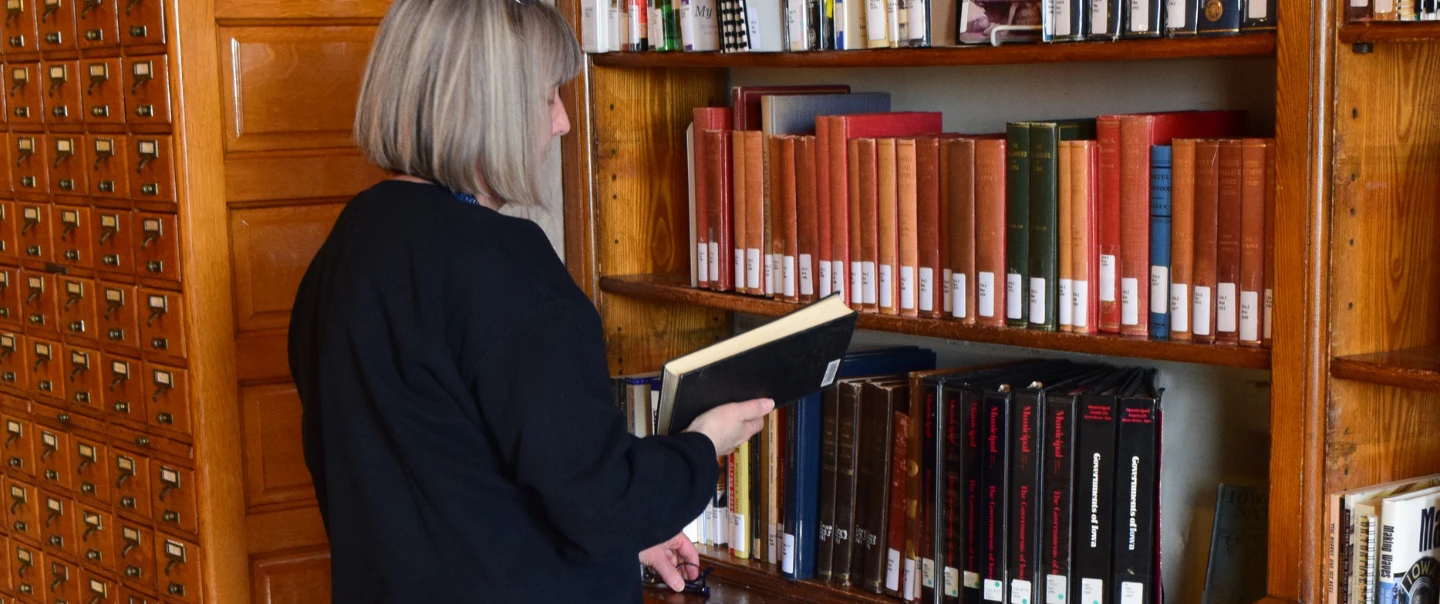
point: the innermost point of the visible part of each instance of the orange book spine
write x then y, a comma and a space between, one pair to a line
845, 272
788, 229
1269, 303
1252, 239
1135, 140
931, 216
754, 212
1227, 247
774, 246
824, 253
961, 187
887, 243
717, 207
862, 222
1107, 134
1182, 236
1065, 195
907, 225
698, 174
1207, 207
989, 232
1085, 238
806, 214
943, 271
739, 209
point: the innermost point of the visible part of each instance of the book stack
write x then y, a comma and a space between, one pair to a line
1154, 225
819, 25
1385, 543
1003, 483
1392, 10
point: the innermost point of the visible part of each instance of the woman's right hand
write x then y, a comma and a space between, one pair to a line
733, 423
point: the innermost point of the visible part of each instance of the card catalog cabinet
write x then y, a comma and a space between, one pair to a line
103, 437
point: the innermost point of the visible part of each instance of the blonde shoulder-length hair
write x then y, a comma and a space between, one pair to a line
457, 91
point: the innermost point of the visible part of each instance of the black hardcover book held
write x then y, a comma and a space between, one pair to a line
1182, 18
1094, 492
1104, 21
1218, 17
846, 458
828, 439
1143, 18
1260, 15
1137, 493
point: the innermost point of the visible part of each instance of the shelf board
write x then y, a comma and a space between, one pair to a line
1389, 31
662, 288
1416, 368
769, 586
1262, 44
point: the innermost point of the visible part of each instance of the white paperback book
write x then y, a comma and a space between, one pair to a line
1409, 565
767, 22
699, 26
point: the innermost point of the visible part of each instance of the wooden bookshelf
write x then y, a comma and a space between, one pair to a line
1123, 50
1416, 368
672, 289
1390, 31
766, 579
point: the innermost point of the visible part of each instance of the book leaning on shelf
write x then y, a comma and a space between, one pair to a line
1383, 542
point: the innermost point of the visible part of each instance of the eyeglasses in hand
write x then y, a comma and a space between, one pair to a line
697, 586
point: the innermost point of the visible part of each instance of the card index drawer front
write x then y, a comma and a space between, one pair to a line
29, 571
57, 25
11, 313
84, 370
73, 246
36, 233
125, 392
147, 90
96, 529
79, 306
96, 588
42, 314
29, 176
135, 555
46, 371
21, 27
25, 93
65, 158
158, 254
7, 577
55, 467
169, 401
142, 23
174, 489
19, 447
114, 247
130, 474
14, 363
153, 176
162, 326
57, 525
92, 472
22, 511
97, 23
103, 86
107, 159
179, 563
62, 95
120, 319
9, 231
64, 577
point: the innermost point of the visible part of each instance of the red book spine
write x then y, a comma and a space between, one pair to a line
1107, 134
1252, 240
807, 225
710, 223
1135, 136
1267, 321
990, 232
717, 183
899, 484
1087, 207
1227, 247
701, 237
866, 217
739, 210
824, 253
839, 211
931, 218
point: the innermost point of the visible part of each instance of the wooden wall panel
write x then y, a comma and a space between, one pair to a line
272, 247
262, 356
1377, 434
290, 87
300, 9
275, 471
250, 178
1384, 272
284, 530
639, 137
292, 577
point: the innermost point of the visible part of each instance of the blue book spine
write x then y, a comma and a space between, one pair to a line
1160, 242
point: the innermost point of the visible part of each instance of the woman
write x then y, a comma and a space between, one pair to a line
457, 413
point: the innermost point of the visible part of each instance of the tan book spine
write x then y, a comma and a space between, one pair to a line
907, 216
1252, 239
1267, 322
887, 223
863, 217
1207, 207
840, 250
930, 223
1227, 247
788, 230
825, 229
1085, 242
806, 218
857, 226
1182, 236
990, 232
755, 212
740, 210
1065, 194
944, 269
774, 246
961, 168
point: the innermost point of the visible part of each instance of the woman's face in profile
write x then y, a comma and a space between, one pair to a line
559, 120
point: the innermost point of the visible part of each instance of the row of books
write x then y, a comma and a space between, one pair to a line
1004, 483
1392, 10
811, 25
1385, 543
1142, 225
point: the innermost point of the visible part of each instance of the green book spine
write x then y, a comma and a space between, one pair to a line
1017, 223
1044, 241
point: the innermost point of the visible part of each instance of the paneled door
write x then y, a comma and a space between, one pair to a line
291, 70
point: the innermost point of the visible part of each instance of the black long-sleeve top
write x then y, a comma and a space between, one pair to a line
458, 420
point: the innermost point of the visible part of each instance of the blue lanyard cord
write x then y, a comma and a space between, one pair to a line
466, 197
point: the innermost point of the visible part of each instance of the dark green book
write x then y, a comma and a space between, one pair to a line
1044, 237
1017, 222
